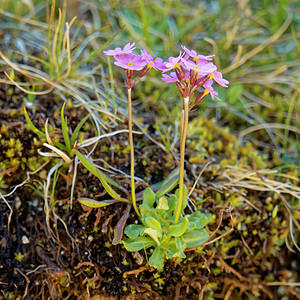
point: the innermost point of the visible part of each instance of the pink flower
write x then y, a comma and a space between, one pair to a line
175, 62
156, 63
202, 68
217, 76
130, 62
172, 77
195, 55
128, 48
208, 86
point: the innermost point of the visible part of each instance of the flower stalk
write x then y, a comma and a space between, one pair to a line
133, 198
183, 133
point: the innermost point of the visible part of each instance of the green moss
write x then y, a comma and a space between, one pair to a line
10, 153
19, 257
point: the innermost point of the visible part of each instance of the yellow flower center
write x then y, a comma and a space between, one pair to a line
211, 76
177, 65
130, 63
205, 92
196, 58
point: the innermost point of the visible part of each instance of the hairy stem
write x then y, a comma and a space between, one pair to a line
183, 131
133, 199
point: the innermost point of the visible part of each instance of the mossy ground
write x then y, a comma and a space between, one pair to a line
249, 182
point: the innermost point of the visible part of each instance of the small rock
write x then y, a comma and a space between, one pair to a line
25, 240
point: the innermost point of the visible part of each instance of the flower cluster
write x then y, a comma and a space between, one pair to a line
189, 70
131, 62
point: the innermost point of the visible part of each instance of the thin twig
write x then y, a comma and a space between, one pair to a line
200, 174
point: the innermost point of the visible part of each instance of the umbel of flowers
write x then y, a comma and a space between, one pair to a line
193, 74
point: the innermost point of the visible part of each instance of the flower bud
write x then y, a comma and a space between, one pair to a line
193, 77
202, 80
179, 72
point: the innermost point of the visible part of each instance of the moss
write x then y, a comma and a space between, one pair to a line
10, 153
19, 257
14, 162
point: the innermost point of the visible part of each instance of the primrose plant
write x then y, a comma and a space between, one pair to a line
164, 225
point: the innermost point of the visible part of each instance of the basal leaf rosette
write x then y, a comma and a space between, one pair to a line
158, 230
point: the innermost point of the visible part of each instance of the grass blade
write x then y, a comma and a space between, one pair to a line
64, 128
105, 181
78, 127
96, 51
41, 134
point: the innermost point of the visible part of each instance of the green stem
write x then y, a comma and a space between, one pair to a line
184, 122
133, 199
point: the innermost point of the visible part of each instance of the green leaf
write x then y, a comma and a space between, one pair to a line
139, 243
134, 230
147, 210
198, 220
163, 203
274, 212
153, 233
78, 127
180, 245
184, 198
172, 202
156, 260
195, 238
179, 228
148, 197
169, 183
175, 248
105, 181
96, 204
65, 129
152, 223
41, 134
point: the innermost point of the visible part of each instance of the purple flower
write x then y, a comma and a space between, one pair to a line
172, 77
208, 87
217, 76
175, 62
202, 68
156, 63
195, 55
128, 48
130, 62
